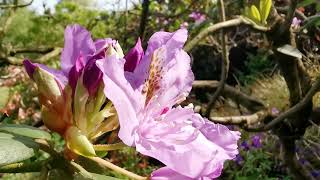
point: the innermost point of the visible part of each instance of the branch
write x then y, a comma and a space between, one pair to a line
221, 25
23, 167
109, 147
17, 61
144, 18
117, 169
295, 109
7, 23
224, 64
7, 6
251, 103
240, 120
41, 50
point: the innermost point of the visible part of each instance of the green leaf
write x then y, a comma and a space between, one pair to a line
15, 149
265, 6
306, 3
255, 14
24, 130
4, 96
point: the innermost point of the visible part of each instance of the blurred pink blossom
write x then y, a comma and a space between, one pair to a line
197, 17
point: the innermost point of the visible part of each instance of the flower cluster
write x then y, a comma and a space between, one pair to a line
99, 88
197, 17
72, 99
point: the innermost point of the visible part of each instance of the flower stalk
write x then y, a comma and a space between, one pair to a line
117, 169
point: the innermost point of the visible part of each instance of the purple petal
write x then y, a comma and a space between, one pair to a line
125, 100
92, 77
133, 57
180, 140
166, 173
75, 72
76, 40
59, 75
30, 67
171, 41
177, 80
222, 136
102, 44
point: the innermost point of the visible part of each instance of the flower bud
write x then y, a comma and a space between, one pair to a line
47, 85
133, 57
78, 142
30, 67
53, 120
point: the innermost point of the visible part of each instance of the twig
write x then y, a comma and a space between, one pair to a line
221, 25
40, 50
6, 6
46, 57
296, 108
246, 119
117, 169
251, 103
144, 18
23, 167
224, 64
109, 147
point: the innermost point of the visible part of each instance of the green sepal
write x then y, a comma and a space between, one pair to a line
77, 142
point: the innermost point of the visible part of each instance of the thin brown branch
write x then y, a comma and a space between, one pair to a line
248, 120
117, 169
144, 18
224, 64
7, 6
40, 50
251, 103
7, 23
293, 110
46, 57
222, 25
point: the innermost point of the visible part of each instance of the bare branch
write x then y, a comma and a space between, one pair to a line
230, 23
40, 50
251, 103
293, 110
224, 64
18, 61
144, 18
248, 120
7, 6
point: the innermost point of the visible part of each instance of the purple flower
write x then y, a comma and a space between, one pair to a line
238, 159
274, 111
245, 146
189, 145
315, 173
72, 98
256, 141
295, 23
197, 17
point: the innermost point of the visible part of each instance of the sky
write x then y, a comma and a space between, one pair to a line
110, 5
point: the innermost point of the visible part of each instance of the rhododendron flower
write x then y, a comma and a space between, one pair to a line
72, 99
144, 89
197, 17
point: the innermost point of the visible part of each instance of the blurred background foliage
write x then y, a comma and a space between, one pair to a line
29, 33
